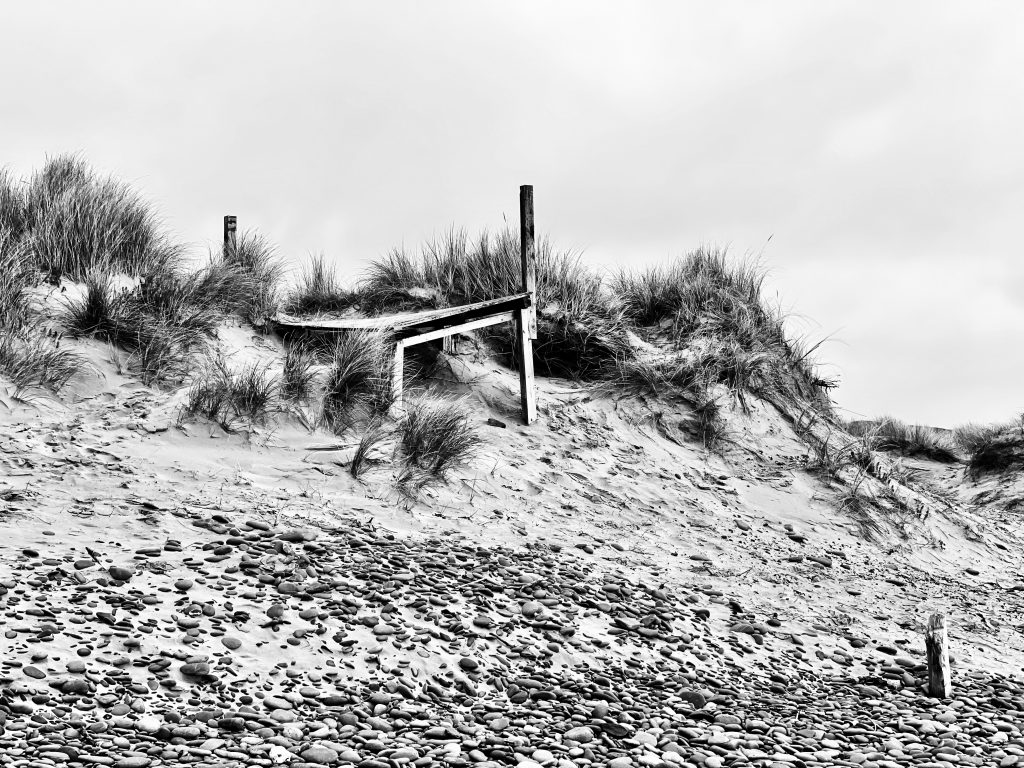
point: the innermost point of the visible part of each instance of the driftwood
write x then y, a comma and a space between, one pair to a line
880, 477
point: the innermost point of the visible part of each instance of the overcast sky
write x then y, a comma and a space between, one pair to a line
878, 145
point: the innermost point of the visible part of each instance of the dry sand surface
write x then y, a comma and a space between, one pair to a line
588, 592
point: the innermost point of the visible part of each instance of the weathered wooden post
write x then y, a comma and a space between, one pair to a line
397, 376
528, 251
526, 318
230, 241
935, 640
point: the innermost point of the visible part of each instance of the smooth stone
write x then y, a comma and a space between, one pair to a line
120, 573
320, 755
581, 735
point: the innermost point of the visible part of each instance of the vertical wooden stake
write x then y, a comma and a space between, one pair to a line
526, 319
230, 242
397, 375
528, 252
524, 347
935, 639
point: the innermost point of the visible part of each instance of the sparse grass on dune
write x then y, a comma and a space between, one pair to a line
580, 334
229, 398
16, 279
299, 374
319, 291
435, 436
261, 270
357, 384
13, 206
838, 452
889, 434
992, 448
163, 353
372, 437
34, 362
974, 437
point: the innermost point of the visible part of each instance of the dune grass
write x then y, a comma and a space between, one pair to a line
164, 353
435, 436
911, 440
230, 398
319, 290
357, 384
374, 435
17, 277
34, 362
992, 448
30, 357
712, 304
299, 375
76, 221
259, 272
13, 206
580, 334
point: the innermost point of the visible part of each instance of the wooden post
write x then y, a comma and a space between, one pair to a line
528, 252
935, 639
397, 376
524, 349
526, 319
230, 242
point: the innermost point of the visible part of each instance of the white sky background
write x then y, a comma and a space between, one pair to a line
878, 144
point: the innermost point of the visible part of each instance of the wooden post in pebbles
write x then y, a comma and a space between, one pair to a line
230, 227
935, 639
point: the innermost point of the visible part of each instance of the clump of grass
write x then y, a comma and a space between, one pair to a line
13, 206
299, 374
889, 434
976, 437
319, 291
859, 504
660, 374
704, 301
435, 436
372, 437
580, 334
163, 353
33, 362
16, 279
260, 271
358, 382
838, 452
706, 423
992, 448
228, 397
76, 221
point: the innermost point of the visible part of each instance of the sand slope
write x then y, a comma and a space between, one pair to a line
589, 591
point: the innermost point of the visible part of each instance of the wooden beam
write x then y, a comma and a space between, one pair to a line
524, 352
408, 322
936, 646
230, 240
528, 252
451, 330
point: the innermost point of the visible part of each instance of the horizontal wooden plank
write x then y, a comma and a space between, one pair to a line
472, 325
407, 323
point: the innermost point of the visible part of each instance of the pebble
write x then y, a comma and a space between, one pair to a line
534, 642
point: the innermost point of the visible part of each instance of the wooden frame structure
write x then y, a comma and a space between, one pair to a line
419, 327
